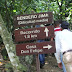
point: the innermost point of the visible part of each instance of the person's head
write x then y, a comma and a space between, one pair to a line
64, 25
56, 23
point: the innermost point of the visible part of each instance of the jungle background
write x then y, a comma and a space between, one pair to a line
62, 10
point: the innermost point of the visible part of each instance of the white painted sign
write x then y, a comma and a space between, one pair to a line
46, 30
49, 46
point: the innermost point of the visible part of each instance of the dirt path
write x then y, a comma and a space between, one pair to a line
50, 65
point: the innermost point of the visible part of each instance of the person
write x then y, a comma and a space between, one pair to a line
63, 42
41, 56
57, 29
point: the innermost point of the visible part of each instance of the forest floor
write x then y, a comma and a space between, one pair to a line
50, 65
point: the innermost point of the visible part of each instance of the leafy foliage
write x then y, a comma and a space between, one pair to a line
8, 67
62, 10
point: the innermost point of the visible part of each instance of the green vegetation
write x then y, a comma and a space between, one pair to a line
62, 10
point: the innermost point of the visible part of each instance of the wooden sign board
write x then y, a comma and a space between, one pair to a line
35, 48
34, 33
32, 19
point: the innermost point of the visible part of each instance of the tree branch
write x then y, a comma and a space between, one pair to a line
26, 9
61, 3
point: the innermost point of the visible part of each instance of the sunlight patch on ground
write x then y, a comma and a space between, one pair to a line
46, 62
1, 63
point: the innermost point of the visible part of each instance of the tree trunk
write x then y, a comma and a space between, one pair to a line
10, 47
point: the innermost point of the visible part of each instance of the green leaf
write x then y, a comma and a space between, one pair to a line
14, 10
63, 13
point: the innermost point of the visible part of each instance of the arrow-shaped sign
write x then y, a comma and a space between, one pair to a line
49, 46
46, 30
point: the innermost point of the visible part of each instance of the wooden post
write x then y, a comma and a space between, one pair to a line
37, 63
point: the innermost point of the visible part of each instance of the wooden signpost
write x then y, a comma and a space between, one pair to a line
34, 34
33, 19
35, 48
